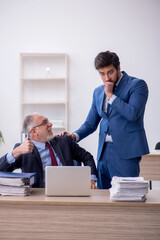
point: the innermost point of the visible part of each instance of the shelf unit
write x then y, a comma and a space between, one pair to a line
43, 87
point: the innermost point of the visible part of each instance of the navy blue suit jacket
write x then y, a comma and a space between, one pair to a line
67, 151
125, 119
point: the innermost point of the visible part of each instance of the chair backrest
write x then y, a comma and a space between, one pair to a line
157, 146
76, 163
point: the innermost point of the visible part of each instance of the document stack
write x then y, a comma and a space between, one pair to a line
128, 189
18, 184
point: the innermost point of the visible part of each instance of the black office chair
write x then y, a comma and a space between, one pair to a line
157, 147
76, 163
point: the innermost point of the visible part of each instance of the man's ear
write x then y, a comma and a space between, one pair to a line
32, 132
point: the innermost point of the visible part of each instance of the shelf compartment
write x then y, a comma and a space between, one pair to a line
47, 90
44, 66
57, 112
43, 79
43, 103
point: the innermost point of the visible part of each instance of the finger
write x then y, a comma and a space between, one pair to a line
27, 138
31, 144
65, 133
61, 134
92, 186
30, 147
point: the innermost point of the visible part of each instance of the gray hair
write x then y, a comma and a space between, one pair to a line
28, 123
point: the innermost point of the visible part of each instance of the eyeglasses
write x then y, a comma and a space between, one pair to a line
44, 122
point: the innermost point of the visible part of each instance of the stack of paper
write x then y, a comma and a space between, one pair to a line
128, 189
16, 183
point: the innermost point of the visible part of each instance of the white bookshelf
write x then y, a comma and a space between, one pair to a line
43, 87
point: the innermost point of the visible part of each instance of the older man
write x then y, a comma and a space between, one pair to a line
41, 149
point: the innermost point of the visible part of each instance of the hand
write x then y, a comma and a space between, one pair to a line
26, 147
93, 184
108, 88
66, 133
62, 134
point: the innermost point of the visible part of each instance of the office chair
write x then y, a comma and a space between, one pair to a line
157, 147
76, 163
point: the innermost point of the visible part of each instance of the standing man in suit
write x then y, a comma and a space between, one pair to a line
34, 154
118, 105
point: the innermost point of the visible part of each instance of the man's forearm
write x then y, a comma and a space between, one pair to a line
16, 152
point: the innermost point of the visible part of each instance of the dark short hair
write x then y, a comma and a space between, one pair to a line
105, 59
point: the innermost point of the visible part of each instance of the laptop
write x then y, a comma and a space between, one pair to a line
67, 180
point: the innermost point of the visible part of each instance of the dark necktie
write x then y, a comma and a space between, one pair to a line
108, 108
53, 158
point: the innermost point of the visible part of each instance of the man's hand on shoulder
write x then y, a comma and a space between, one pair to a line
68, 134
26, 147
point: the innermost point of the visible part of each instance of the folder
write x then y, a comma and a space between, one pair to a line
17, 179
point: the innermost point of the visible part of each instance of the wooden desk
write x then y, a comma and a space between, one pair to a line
96, 217
150, 167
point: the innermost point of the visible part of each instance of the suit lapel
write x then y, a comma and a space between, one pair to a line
121, 85
102, 97
37, 155
58, 151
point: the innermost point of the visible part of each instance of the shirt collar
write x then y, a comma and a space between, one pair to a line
119, 80
39, 145
117, 83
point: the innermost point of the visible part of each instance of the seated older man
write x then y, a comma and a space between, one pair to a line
41, 148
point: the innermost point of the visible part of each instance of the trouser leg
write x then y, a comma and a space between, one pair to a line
110, 164
104, 179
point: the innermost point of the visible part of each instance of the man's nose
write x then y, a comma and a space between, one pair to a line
50, 124
106, 77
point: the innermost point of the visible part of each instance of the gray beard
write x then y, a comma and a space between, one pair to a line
49, 138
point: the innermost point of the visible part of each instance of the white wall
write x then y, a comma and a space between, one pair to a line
80, 28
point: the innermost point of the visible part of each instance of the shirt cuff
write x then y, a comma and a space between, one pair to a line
112, 99
93, 177
10, 158
77, 136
